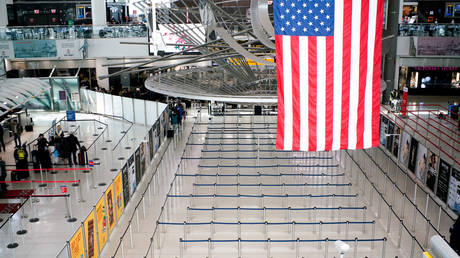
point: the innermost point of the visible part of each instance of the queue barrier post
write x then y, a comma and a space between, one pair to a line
326, 248
68, 205
122, 247
400, 233
131, 234
12, 244
373, 234
297, 248
384, 245
355, 249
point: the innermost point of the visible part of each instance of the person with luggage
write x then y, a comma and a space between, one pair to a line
72, 143
21, 157
43, 154
2, 176
2, 142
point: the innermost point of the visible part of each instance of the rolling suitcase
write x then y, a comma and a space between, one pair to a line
82, 156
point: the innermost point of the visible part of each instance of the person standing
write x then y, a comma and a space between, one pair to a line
21, 156
2, 143
16, 133
2, 175
43, 152
72, 143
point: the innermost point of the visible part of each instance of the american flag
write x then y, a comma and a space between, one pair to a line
328, 71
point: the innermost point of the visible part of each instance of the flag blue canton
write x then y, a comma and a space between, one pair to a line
304, 17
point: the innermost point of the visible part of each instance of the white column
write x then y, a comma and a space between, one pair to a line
98, 14
100, 71
3, 13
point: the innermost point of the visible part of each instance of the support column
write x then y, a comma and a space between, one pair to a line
3, 13
98, 14
100, 71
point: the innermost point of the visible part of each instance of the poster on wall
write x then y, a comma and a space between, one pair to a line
432, 174
421, 165
138, 165
6, 49
125, 181
442, 188
165, 123
77, 249
90, 236
34, 48
144, 155
413, 154
132, 175
395, 147
391, 128
118, 191
405, 147
110, 207
69, 48
158, 135
152, 151
453, 199
102, 226
383, 130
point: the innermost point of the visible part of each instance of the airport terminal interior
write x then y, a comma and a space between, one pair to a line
151, 128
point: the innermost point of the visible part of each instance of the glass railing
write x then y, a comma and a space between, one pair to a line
430, 30
72, 32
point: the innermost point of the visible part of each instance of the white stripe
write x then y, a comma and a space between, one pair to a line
354, 76
337, 104
303, 84
287, 76
370, 74
321, 93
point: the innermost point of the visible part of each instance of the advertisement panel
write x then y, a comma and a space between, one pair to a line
395, 147
405, 147
412, 154
138, 165
438, 46
90, 236
432, 174
151, 149
442, 188
110, 207
6, 49
69, 48
421, 165
454, 191
126, 185
101, 218
77, 249
391, 128
118, 190
34, 48
383, 130
132, 175
143, 154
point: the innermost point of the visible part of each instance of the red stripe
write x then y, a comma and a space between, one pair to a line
362, 73
295, 92
279, 78
346, 63
376, 75
329, 92
312, 80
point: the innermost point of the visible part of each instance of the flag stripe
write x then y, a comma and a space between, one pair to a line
338, 48
303, 68
329, 105
367, 134
287, 71
312, 93
295, 92
346, 70
362, 73
321, 93
376, 74
279, 78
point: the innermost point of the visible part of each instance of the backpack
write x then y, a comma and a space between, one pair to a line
21, 154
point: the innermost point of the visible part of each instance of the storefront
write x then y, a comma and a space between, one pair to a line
430, 80
430, 11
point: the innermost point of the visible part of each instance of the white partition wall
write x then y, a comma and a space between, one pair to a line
151, 111
108, 108
135, 110
139, 114
117, 106
128, 109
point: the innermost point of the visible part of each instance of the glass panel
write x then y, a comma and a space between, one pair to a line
151, 112
66, 95
117, 106
139, 113
128, 112
99, 103
108, 105
92, 101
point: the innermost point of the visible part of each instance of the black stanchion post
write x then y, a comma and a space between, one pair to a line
12, 244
